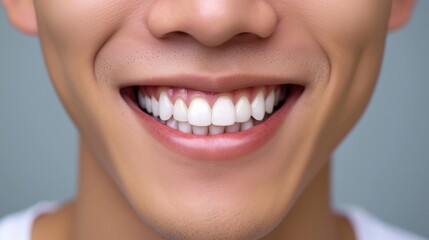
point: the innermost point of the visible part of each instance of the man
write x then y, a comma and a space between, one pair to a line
208, 119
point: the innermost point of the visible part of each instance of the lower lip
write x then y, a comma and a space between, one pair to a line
227, 146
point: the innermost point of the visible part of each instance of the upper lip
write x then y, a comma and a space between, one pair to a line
215, 83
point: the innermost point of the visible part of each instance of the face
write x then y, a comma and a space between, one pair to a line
207, 117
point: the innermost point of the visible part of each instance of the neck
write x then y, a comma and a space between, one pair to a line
100, 211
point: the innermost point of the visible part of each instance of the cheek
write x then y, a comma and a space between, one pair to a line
71, 34
77, 29
345, 23
352, 35
354, 41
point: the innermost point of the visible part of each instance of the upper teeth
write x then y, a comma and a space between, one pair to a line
202, 119
223, 112
199, 113
166, 111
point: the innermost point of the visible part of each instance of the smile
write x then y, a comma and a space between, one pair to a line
200, 113
212, 125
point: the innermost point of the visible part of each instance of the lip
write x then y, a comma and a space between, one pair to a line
215, 82
227, 146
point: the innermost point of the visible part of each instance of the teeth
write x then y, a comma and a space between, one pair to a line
258, 106
180, 111
213, 129
161, 121
223, 112
246, 125
148, 104
199, 113
155, 106
269, 103
277, 97
200, 130
165, 106
243, 111
184, 127
201, 119
233, 128
142, 101
172, 123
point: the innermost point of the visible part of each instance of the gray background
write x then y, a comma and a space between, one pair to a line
381, 166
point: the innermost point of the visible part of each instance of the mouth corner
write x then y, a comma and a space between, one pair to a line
149, 100
204, 140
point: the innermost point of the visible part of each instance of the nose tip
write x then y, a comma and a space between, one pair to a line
212, 22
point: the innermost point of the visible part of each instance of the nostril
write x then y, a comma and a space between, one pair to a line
243, 37
246, 37
175, 34
212, 23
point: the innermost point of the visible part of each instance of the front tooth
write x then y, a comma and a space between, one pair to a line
180, 111
155, 106
214, 130
142, 101
165, 106
184, 127
246, 125
243, 111
199, 113
233, 128
223, 112
172, 123
269, 102
148, 104
258, 106
200, 130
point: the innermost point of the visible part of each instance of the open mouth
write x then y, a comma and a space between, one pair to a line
212, 125
211, 113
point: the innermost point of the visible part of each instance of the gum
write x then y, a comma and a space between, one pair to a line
188, 94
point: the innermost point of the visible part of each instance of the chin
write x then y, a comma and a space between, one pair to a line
214, 219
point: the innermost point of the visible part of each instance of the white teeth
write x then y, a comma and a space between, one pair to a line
233, 128
165, 106
246, 125
201, 119
172, 123
184, 127
269, 103
200, 130
155, 106
199, 113
223, 112
258, 106
148, 104
180, 111
243, 111
214, 130
142, 101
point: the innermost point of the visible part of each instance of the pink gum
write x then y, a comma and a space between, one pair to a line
188, 94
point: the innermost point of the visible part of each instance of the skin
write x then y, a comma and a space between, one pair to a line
130, 187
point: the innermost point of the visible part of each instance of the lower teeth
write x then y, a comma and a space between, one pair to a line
210, 130
223, 116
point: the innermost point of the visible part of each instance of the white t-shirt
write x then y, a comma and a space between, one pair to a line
18, 226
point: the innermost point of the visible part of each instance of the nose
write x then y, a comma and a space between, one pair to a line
212, 22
